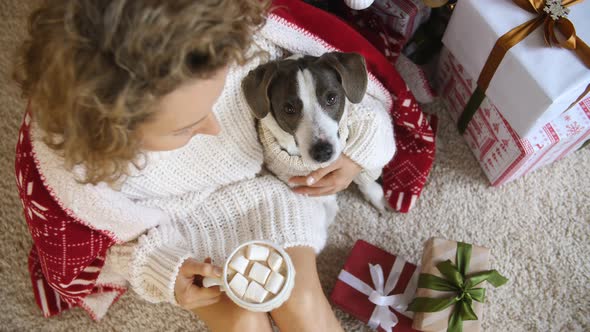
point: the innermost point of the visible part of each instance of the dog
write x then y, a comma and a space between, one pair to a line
301, 101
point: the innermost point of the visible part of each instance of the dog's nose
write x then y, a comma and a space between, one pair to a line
321, 151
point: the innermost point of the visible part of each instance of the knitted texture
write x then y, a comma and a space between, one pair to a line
371, 142
201, 200
366, 133
285, 165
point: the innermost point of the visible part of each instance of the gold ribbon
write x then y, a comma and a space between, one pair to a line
516, 35
550, 27
435, 3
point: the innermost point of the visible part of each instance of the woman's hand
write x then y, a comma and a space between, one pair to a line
187, 293
329, 180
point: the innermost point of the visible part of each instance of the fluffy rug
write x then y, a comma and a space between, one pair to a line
537, 227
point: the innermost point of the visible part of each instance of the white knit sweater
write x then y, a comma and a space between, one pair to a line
208, 197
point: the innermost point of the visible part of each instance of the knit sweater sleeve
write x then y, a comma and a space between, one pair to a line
250, 209
151, 263
371, 142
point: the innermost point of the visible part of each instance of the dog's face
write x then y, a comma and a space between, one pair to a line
306, 96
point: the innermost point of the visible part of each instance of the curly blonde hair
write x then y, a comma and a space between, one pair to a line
93, 70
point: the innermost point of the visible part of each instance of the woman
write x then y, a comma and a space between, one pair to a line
139, 162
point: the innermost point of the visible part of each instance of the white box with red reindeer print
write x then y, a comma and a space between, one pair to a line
534, 82
502, 153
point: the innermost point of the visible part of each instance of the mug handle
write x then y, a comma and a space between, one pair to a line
211, 282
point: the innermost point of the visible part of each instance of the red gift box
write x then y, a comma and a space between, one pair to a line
375, 287
396, 18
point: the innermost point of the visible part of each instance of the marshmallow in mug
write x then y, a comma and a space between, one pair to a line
265, 273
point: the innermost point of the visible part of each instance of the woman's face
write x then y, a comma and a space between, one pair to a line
184, 113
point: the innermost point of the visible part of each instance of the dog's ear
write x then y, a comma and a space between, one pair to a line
255, 87
353, 73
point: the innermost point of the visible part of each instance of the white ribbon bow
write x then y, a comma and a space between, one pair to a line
382, 316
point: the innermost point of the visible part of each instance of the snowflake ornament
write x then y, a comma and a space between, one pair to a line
573, 129
556, 9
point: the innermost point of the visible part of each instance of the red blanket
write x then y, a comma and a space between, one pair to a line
67, 255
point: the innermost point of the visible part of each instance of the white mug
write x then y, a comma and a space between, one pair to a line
266, 306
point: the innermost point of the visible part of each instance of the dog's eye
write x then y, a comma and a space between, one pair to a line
331, 99
289, 109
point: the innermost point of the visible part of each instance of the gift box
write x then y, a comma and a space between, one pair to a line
402, 16
399, 17
375, 287
514, 51
501, 152
450, 295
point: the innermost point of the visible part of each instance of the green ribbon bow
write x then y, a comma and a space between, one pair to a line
456, 281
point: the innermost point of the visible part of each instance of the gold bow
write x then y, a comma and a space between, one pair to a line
550, 27
571, 41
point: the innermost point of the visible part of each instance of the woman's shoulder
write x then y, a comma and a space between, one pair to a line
99, 206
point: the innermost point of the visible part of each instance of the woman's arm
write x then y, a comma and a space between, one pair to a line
240, 212
149, 268
159, 268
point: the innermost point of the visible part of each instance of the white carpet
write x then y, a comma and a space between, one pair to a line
537, 227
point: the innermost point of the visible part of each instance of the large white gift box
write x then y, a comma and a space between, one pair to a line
535, 83
502, 153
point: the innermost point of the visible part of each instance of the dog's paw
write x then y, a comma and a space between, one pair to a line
383, 206
388, 207
374, 194
380, 205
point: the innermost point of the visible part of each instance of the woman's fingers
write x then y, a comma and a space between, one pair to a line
330, 184
195, 292
330, 180
191, 267
315, 176
304, 180
187, 293
314, 192
193, 295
